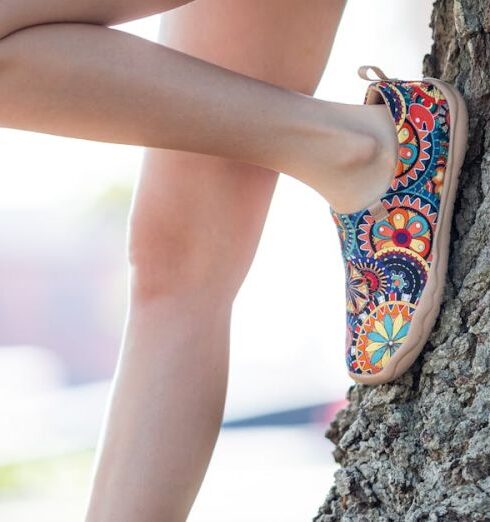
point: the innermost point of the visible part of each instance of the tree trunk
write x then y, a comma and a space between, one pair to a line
419, 448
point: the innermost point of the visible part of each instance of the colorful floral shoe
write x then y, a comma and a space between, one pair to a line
395, 250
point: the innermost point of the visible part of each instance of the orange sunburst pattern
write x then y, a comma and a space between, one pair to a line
383, 331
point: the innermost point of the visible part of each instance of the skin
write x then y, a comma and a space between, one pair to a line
88, 81
223, 104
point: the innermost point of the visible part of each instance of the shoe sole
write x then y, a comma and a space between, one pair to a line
427, 311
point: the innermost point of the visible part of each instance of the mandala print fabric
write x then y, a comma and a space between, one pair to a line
387, 261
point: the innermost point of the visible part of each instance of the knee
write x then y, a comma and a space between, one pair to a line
14, 15
170, 258
10, 23
16, 18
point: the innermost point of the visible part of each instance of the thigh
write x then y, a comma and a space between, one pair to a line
196, 209
19, 14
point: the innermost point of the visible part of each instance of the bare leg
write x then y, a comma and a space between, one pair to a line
195, 224
93, 82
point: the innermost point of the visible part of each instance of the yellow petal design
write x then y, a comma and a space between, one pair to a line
379, 327
386, 357
399, 220
417, 245
397, 324
372, 347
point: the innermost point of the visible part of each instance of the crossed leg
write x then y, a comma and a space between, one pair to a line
79, 78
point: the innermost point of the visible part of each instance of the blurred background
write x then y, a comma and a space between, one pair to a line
63, 295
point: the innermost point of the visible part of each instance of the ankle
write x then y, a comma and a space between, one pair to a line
364, 166
357, 136
359, 150
347, 153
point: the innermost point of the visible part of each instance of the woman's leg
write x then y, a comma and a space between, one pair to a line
195, 224
86, 80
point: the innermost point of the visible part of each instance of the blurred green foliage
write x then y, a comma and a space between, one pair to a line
39, 475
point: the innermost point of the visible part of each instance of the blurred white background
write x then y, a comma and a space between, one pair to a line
61, 197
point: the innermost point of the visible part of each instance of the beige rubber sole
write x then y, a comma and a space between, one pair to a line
427, 311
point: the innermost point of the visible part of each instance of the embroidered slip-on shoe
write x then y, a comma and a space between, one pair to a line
395, 250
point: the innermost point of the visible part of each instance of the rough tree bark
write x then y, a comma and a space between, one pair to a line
419, 448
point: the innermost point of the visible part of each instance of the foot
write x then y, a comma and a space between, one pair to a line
395, 252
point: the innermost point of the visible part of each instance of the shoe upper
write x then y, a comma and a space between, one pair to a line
387, 252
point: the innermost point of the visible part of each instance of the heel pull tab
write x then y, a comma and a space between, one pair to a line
363, 72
